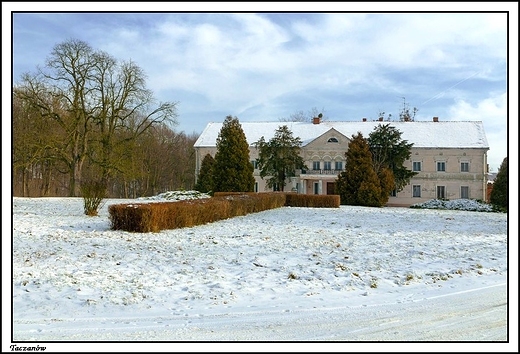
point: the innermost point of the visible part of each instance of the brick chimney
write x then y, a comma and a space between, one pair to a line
364, 119
435, 119
316, 120
380, 119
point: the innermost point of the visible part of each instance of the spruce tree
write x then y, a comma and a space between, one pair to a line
232, 171
359, 184
279, 158
205, 178
499, 195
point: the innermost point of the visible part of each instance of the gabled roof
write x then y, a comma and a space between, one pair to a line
448, 134
330, 132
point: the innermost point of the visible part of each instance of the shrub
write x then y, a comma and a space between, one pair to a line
93, 193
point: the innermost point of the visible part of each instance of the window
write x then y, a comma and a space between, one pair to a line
464, 192
327, 165
416, 166
255, 164
441, 192
256, 187
416, 191
338, 166
441, 166
393, 193
315, 165
316, 188
464, 167
332, 140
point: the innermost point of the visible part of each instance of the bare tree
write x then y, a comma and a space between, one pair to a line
301, 116
123, 103
97, 105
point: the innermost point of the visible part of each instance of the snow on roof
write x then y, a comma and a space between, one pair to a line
448, 134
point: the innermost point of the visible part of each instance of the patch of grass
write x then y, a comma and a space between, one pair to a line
373, 283
292, 276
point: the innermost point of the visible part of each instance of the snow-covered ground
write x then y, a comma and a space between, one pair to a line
371, 276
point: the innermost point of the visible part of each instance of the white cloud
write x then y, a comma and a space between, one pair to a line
356, 63
492, 111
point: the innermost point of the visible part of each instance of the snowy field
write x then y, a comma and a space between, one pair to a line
378, 277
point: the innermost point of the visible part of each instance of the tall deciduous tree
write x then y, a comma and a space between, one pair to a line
233, 171
205, 178
92, 100
123, 100
359, 183
279, 158
390, 151
499, 192
59, 94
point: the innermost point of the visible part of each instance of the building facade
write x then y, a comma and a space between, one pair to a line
450, 157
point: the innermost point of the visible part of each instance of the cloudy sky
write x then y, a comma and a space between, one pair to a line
265, 66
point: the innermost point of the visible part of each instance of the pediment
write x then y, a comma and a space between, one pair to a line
330, 140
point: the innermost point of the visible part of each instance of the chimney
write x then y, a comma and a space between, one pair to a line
435, 119
316, 120
364, 119
380, 119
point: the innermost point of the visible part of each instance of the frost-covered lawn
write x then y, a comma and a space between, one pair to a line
75, 279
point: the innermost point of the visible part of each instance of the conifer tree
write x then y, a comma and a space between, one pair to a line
359, 184
498, 196
387, 184
232, 171
390, 151
205, 178
279, 158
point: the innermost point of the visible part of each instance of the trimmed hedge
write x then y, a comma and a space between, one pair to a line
312, 200
157, 216
154, 217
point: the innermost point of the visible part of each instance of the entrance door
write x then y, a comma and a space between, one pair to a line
331, 188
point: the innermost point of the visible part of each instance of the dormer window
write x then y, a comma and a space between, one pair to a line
332, 140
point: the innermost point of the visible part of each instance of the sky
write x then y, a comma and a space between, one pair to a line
355, 277
267, 62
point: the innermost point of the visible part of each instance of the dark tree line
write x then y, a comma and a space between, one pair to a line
87, 117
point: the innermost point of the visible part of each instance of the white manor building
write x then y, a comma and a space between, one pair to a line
450, 157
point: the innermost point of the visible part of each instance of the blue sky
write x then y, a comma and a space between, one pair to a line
264, 66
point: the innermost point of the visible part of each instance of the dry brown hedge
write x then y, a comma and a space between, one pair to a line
157, 216
312, 200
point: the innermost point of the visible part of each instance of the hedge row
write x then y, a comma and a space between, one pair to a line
312, 200
157, 216
153, 217
298, 200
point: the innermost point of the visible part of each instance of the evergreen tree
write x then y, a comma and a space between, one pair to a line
232, 171
390, 151
387, 184
279, 158
498, 195
205, 178
359, 184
